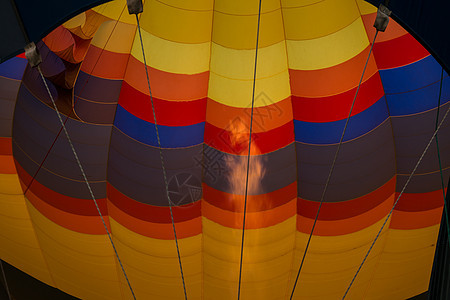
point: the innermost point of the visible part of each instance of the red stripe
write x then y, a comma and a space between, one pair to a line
255, 203
420, 202
332, 80
5, 146
346, 209
74, 222
398, 52
337, 107
266, 142
168, 113
150, 213
84, 207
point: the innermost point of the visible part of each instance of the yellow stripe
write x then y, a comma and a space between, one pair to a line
411, 240
238, 93
154, 247
85, 244
239, 32
9, 184
114, 9
76, 21
12, 206
320, 19
115, 37
19, 246
253, 237
398, 267
177, 25
148, 286
333, 260
390, 289
81, 284
267, 260
152, 264
365, 7
100, 267
218, 240
85, 261
170, 56
249, 7
274, 289
405, 265
190, 5
23, 257
15, 228
329, 50
240, 64
298, 3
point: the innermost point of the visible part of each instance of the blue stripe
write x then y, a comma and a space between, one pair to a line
411, 77
419, 100
330, 132
13, 68
171, 137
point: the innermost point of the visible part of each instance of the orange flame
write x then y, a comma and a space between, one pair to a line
237, 164
239, 141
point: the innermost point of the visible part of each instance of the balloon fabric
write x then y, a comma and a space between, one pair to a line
197, 168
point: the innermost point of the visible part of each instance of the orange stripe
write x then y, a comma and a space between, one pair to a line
255, 203
156, 230
415, 220
7, 165
346, 226
5, 146
393, 31
254, 220
333, 80
77, 223
105, 64
265, 118
165, 85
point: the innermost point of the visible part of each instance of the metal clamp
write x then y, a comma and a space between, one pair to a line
32, 54
135, 7
382, 19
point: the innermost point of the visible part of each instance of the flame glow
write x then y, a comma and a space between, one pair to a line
237, 166
239, 137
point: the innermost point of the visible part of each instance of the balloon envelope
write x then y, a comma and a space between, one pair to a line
200, 58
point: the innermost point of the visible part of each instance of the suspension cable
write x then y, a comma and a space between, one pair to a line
396, 201
248, 156
67, 117
439, 159
85, 179
4, 279
322, 198
162, 161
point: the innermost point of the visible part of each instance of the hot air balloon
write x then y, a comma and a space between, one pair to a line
226, 150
